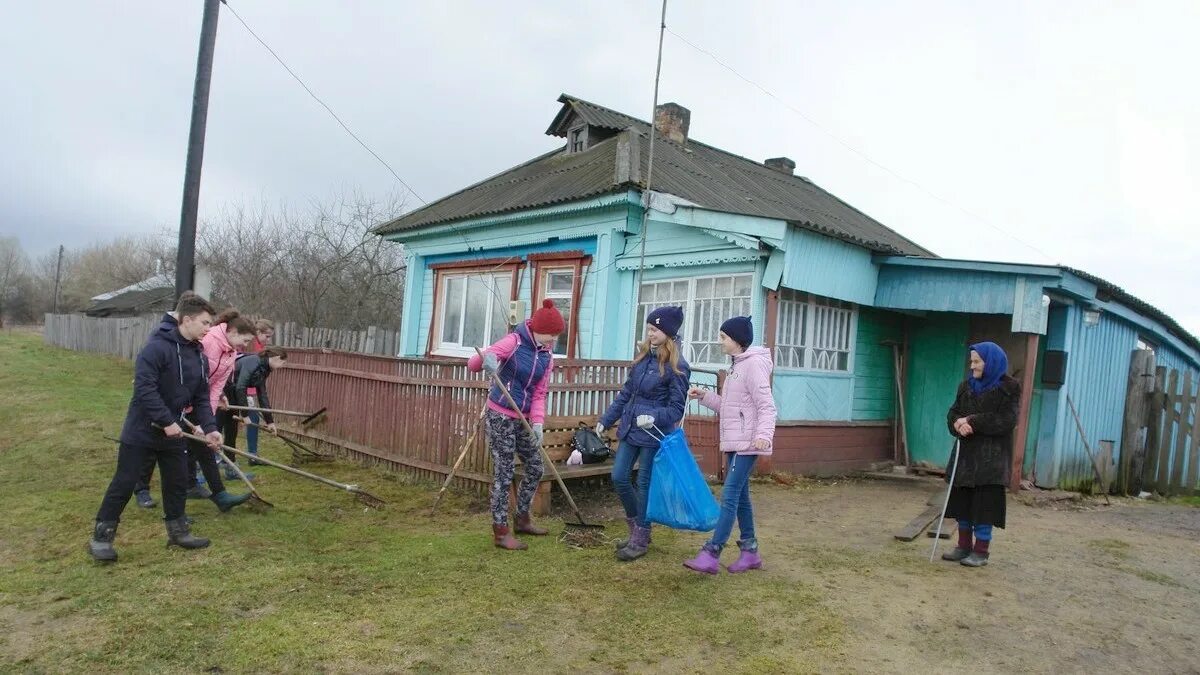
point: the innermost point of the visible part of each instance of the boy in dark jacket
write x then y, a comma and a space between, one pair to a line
170, 381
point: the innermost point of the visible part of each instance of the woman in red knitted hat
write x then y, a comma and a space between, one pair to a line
523, 360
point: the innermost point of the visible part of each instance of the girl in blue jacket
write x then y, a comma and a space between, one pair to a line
654, 396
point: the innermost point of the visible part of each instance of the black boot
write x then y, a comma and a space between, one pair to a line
226, 501
179, 533
101, 545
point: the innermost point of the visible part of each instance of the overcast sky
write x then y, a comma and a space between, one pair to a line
1049, 131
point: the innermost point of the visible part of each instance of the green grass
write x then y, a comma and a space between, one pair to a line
322, 584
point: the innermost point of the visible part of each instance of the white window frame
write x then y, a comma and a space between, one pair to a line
568, 295
502, 280
810, 329
725, 307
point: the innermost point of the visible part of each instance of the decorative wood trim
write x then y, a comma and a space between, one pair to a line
557, 255
482, 265
771, 324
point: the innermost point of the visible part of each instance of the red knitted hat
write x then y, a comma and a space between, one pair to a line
547, 320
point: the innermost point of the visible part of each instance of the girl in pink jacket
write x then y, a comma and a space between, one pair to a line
747, 418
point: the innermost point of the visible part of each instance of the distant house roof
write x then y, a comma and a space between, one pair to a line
153, 283
134, 302
707, 176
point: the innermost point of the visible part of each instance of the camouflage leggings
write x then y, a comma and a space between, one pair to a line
508, 439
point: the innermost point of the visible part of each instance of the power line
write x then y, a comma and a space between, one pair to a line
323, 104
862, 155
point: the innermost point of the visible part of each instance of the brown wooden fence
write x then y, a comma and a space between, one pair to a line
415, 414
122, 337
371, 340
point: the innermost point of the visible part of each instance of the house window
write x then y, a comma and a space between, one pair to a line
472, 310
558, 276
1144, 344
558, 286
814, 333
707, 302
578, 140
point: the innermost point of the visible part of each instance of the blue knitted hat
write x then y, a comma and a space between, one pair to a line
666, 319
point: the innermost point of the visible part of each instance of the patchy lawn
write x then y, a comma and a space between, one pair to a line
320, 584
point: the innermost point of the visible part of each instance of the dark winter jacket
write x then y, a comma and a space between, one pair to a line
251, 371
648, 393
986, 453
170, 378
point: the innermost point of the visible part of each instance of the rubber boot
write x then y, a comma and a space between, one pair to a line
198, 492
179, 533
705, 562
502, 537
963, 549
747, 560
525, 526
979, 554
101, 545
226, 501
144, 499
230, 474
639, 541
622, 543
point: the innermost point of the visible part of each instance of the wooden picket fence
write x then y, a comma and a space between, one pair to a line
372, 340
123, 337
1173, 436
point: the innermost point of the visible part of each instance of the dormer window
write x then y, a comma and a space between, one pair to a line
577, 139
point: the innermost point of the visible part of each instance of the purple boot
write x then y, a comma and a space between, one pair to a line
748, 560
704, 562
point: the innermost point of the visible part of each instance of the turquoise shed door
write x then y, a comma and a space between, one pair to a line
937, 361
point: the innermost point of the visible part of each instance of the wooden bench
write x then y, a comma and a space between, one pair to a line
558, 440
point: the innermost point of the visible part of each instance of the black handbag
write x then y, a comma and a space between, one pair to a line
592, 447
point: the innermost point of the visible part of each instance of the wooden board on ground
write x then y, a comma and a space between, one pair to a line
947, 527
917, 525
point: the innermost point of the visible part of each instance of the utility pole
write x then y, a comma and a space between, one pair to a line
57, 277
186, 260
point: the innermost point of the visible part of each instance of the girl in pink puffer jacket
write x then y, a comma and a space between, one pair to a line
747, 418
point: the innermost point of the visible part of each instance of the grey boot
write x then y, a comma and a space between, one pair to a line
622, 543
639, 541
144, 499
101, 545
179, 533
198, 492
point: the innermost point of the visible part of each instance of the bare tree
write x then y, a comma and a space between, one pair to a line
13, 267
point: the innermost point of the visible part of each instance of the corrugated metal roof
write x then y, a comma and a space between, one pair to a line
707, 176
1141, 306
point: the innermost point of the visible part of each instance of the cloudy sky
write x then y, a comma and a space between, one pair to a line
1063, 132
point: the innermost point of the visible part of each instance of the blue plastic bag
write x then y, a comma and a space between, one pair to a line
679, 495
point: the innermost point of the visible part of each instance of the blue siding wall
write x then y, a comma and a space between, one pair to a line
803, 395
945, 290
829, 267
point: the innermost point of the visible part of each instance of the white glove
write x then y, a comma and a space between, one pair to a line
599, 429
645, 421
575, 458
491, 363
538, 434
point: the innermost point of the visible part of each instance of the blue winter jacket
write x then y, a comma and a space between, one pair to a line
648, 393
169, 378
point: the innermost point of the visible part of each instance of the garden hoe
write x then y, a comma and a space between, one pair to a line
362, 495
581, 525
310, 419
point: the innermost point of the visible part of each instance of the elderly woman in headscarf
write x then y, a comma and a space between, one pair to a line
982, 418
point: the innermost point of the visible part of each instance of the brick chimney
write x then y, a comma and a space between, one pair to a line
672, 121
782, 165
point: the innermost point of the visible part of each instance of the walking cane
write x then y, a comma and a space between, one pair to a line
461, 456
953, 470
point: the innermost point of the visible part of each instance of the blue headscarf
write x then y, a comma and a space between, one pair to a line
995, 366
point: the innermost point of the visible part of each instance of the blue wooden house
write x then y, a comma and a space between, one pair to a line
840, 298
